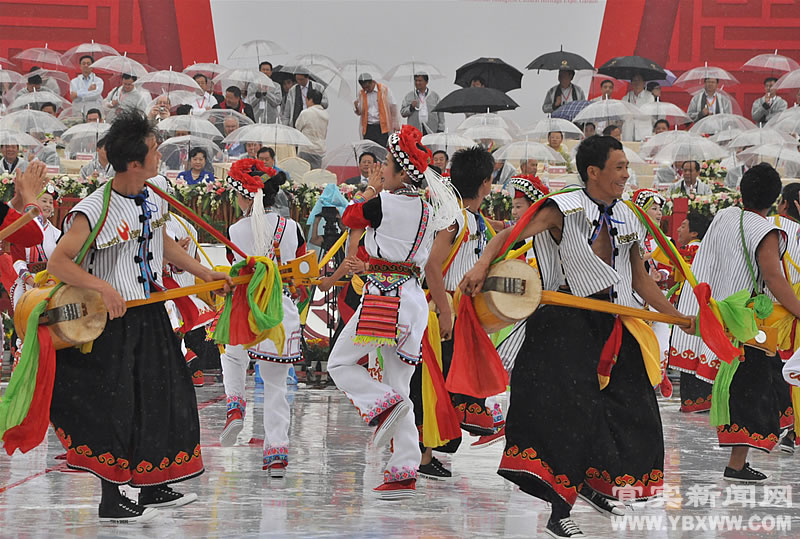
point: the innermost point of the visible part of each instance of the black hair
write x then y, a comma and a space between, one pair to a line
661, 121
198, 75
235, 90
90, 111
696, 165
89, 56
588, 123
698, 223
760, 187
263, 64
446, 157
652, 85
194, 151
101, 142
372, 155
424, 77
266, 149
609, 129
35, 79
559, 132
436, 169
34, 68
314, 95
183, 110
791, 194
48, 104
774, 79
594, 152
571, 71
271, 188
469, 168
609, 81
128, 76
125, 141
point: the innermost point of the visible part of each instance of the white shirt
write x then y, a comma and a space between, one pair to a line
423, 106
313, 123
87, 98
637, 130
373, 115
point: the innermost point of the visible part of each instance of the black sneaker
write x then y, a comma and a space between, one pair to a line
563, 528
125, 511
164, 496
434, 470
601, 504
745, 475
787, 444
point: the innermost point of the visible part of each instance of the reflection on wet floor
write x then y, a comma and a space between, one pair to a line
332, 470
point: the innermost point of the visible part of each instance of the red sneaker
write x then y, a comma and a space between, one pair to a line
397, 490
198, 379
233, 426
387, 422
485, 441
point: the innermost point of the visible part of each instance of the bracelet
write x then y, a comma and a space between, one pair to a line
370, 187
30, 205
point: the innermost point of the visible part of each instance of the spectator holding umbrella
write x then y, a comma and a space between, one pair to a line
633, 129
418, 107
768, 105
708, 101
86, 90
563, 92
377, 109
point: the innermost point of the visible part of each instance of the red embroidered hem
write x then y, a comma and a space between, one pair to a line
621, 487
734, 435
787, 418
700, 405
527, 462
476, 416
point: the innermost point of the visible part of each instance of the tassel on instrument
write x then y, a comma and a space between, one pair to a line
440, 423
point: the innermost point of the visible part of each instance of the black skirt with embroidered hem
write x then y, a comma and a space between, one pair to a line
695, 393
783, 391
754, 403
562, 431
127, 411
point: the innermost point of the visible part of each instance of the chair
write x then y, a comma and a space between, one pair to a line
296, 167
319, 176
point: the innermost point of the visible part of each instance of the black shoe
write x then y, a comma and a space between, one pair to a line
125, 511
745, 475
434, 470
601, 504
163, 496
563, 528
787, 444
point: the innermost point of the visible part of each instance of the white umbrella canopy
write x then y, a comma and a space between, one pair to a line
52, 80
633, 157
695, 76
652, 145
351, 69
483, 134
218, 116
447, 141
192, 124
316, 59
406, 70
165, 81
260, 49
789, 81
719, 122
32, 121
95, 50
176, 98
35, 100
11, 137
660, 110
348, 154
490, 119
770, 63
608, 110
42, 55
268, 135
247, 80
726, 135
524, 150
10, 77
549, 125
71, 116
691, 148
175, 150
120, 64
82, 138
209, 69
760, 136
779, 154
787, 121
331, 79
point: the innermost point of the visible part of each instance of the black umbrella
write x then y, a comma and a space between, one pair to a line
561, 59
281, 73
494, 72
625, 67
475, 100
278, 76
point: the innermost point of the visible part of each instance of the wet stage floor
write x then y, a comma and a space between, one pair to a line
328, 488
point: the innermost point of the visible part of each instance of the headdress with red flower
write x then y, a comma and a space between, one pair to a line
409, 152
644, 198
528, 186
248, 176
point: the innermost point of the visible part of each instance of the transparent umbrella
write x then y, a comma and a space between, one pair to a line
348, 154
35, 100
726, 135
490, 119
209, 69
317, 59
260, 49
607, 110
351, 69
719, 122
10, 77
524, 150
249, 80
175, 151
652, 145
691, 148
779, 154
82, 138
6, 62
176, 98
661, 110
190, 124
447, 141
550, 125
760, 136
269, 135
71, 116
789, 81
633, 157
52, 80
120, 64
770, 63
32, 121
787, 121
484, 134
42, 56
407, 70
96, 50
327, 76
165, 81
696, 76
12, 136
218, 116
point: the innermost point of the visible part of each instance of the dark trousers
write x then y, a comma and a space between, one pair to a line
374, 134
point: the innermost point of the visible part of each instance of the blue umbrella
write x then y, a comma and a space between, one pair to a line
569, 110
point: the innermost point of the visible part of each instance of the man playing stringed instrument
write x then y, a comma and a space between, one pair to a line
575, 426
126, 410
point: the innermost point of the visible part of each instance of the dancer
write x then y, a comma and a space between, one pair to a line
567, 433
126, 410
393, 313
263, 233
741, 253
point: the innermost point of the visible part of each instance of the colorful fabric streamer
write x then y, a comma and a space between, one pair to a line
440, 423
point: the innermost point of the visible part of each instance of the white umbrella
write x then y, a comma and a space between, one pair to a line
523, 150
258, 49
550, 125
41, 55
35, 99
348, 154
175, 150
209, 69
633, 157
780, 153
269, 135
10, 77
770, 63
691, 148
760, 136
607, 110
447, 141
95, 50
249, 80
329, 77
176, 98
32, 121
483, 133
191, 124
726, 135
719, 122
52, 80
351, 69
491, 119
696, 76
652, 145
787, 121
120, 64
82, 138
317, 59
660, 110
11, 136
407, 70
218, 116
789, 81
74, 115
165, 81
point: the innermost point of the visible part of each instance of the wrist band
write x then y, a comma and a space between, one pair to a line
373, 189
30, 205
